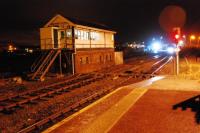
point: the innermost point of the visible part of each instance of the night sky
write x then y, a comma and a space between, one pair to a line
132, 19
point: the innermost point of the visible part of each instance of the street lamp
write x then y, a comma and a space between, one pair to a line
198, 40
192, 37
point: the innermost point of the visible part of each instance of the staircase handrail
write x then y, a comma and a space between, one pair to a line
50, 63
38, 61
43, 63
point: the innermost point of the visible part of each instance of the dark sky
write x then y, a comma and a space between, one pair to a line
132, 19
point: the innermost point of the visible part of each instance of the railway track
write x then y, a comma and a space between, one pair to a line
138, 70
140, 62
69, 110
39, 126
7, 104
121, 68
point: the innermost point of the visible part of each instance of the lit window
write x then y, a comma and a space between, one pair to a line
76, 33
81, 60
112, 37
97, 36
79, 34
94, 36
69, 33
81, 37
87, 35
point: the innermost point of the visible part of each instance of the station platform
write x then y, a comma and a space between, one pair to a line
142, 107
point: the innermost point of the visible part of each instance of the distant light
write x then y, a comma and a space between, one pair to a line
11, 48
181, 42
30, 51
156, 56
192, 37
156, 46
177, 36
184, 36
170, 50
177, 49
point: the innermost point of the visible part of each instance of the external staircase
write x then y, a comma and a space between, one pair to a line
42, 65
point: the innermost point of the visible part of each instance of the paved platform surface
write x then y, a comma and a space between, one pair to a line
153, 113
138, 108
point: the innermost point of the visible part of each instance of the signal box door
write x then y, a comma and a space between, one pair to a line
55, 34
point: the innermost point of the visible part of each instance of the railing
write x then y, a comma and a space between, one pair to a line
68, 44
49, 63
62, 43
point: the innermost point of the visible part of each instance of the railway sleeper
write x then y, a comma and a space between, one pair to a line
8, 111
44, 91
144, 76
49, 96
33, 94
76, 86
58, 93
32, 102
3, 104
18, 99
43, 99
19, 106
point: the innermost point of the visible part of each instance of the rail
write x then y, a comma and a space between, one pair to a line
46, 92
74, 78
69, 109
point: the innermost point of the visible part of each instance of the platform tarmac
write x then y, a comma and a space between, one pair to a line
144, 107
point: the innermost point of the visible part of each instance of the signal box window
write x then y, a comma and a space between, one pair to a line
62, 34
69, 33
76, 34
100, 58
81, 60
87, 60
112, 37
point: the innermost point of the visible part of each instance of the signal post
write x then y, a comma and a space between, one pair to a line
177, 37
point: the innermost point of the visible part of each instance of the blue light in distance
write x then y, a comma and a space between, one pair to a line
170, 50
156, 46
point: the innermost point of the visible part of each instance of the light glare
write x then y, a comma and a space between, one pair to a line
156, 46
170, 50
